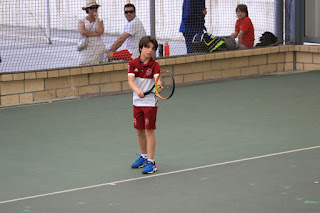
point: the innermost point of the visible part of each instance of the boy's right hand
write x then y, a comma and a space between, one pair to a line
140, 93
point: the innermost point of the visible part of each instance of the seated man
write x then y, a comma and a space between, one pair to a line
133, 32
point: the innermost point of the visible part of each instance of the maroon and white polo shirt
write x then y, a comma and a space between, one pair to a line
145, 75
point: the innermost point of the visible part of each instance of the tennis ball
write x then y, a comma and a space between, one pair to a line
158, 88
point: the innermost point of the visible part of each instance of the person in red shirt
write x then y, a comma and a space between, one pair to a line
244, 30
142, 73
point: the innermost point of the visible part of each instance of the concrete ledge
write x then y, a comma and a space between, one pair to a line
76, 82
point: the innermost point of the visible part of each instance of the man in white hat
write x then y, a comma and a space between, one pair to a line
133, 32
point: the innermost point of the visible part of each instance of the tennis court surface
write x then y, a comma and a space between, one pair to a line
246, 145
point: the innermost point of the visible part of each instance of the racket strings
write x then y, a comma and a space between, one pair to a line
167, 83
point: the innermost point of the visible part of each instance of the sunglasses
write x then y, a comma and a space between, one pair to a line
129, 11
93, 8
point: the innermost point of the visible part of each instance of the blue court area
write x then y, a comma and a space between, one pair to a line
245, 145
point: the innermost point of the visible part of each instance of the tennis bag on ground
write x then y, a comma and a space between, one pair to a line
206, 42
267, 39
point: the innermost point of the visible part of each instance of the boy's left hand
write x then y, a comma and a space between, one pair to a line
159, 88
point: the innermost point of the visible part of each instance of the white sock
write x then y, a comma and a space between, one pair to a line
151, 160
145, 156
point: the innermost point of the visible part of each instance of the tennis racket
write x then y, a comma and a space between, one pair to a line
164, 85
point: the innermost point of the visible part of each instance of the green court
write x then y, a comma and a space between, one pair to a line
243, 145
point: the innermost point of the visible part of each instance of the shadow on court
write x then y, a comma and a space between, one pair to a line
213, 151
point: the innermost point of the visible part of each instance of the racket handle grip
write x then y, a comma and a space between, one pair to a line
146, 93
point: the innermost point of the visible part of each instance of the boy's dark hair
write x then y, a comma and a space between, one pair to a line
144, 41
242, 8
130, 5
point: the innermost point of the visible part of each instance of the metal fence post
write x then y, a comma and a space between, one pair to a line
278, 19
48, 27
152, 18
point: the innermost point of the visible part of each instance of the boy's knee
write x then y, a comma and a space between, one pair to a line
149, 132
140, 132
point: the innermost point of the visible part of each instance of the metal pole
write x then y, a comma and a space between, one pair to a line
153, 18
278, 19
48, 27
299, 20
290, 21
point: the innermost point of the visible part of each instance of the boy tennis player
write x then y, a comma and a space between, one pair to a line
142, 73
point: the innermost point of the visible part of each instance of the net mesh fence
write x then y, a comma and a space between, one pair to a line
40, 35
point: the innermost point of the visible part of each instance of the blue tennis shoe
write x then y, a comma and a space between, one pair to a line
149, 168
139, 163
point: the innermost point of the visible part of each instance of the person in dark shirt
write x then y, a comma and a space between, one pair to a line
193, 14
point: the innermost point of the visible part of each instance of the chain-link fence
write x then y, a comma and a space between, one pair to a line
36, 35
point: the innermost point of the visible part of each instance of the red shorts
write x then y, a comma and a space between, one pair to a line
144, 117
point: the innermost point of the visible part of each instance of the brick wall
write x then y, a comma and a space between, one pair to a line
51, 85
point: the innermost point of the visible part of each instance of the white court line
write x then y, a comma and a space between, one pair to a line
157, 175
